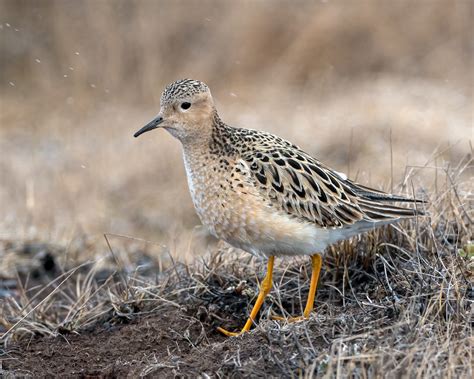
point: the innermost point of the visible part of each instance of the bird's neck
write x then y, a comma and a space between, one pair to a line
222, 138
214, 140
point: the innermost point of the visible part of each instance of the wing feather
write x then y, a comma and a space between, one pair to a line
303, 187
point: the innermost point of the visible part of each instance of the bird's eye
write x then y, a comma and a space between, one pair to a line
185, 105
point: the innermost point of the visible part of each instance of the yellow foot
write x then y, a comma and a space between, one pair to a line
290, 319
227, 333
264, 289
316, 265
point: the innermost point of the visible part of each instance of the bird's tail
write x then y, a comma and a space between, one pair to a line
375, 205
376, 195
378, 211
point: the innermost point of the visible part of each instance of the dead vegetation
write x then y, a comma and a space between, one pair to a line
395, 302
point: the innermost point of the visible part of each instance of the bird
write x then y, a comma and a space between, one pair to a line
263, 194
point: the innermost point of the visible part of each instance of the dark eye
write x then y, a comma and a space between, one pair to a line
185, 105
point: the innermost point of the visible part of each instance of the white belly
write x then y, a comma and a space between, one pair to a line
275, 233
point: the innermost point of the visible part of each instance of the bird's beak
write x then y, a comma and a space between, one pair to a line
153, 124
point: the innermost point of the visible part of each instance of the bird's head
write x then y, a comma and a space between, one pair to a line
187, 111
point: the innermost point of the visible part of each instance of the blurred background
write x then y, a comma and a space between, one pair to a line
376, 89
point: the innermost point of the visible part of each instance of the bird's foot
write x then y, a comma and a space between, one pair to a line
229, 334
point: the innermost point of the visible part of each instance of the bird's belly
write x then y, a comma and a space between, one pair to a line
270, 232
246, 223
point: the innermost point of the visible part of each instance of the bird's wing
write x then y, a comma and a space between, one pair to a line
300, 185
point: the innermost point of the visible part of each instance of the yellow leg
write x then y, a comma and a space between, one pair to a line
316, 263
264, 290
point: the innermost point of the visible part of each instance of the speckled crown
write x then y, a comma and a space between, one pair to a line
182, 89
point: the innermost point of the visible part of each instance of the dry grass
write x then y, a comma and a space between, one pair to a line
396, 302
380, 90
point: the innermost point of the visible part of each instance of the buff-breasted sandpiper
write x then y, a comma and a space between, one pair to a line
263, 194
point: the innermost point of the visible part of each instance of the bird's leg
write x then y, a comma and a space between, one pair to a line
316, 263
265, 287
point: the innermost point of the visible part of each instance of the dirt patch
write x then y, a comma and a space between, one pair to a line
348, 333
133, 349
173, 343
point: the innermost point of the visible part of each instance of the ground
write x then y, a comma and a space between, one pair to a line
381, 310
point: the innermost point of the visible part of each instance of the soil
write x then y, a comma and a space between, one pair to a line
119, 350
164, 345
369, 326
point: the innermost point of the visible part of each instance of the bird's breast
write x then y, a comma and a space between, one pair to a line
218, 203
